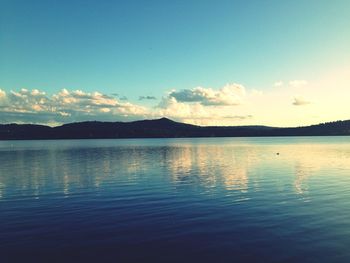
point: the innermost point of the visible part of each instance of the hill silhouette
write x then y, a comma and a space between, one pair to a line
160, 128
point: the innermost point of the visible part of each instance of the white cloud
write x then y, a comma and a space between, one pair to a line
231, 94
36, 92
199, 113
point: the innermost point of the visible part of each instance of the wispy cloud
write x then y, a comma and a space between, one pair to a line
297, 83
147, 98
120, 97
300, 101
278, 84
293, 83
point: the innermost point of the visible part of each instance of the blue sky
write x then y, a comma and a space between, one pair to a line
151, 48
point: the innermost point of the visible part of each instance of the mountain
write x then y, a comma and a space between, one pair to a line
160, 128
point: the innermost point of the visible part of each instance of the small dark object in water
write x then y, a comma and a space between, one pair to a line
277, 153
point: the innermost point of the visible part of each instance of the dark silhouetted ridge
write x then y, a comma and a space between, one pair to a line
160, 128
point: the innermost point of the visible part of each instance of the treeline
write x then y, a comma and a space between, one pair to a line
161, 128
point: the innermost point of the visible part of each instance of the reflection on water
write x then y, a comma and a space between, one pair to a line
33, 172
219, 196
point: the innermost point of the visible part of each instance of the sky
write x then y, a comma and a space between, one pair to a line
256, 62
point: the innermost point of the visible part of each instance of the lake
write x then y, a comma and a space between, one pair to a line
282, 199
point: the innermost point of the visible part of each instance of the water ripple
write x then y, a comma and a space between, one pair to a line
194, 199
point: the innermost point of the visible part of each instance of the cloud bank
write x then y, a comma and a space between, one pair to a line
232, 104
65, 106
204, 106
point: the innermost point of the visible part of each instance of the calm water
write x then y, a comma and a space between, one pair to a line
176, 200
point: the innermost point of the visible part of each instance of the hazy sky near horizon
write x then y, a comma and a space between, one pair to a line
281, 63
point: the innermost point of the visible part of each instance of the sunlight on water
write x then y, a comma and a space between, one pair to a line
275, 199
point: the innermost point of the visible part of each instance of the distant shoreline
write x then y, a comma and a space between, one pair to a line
161, 128
141, 138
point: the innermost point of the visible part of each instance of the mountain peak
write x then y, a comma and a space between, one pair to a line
164, 119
